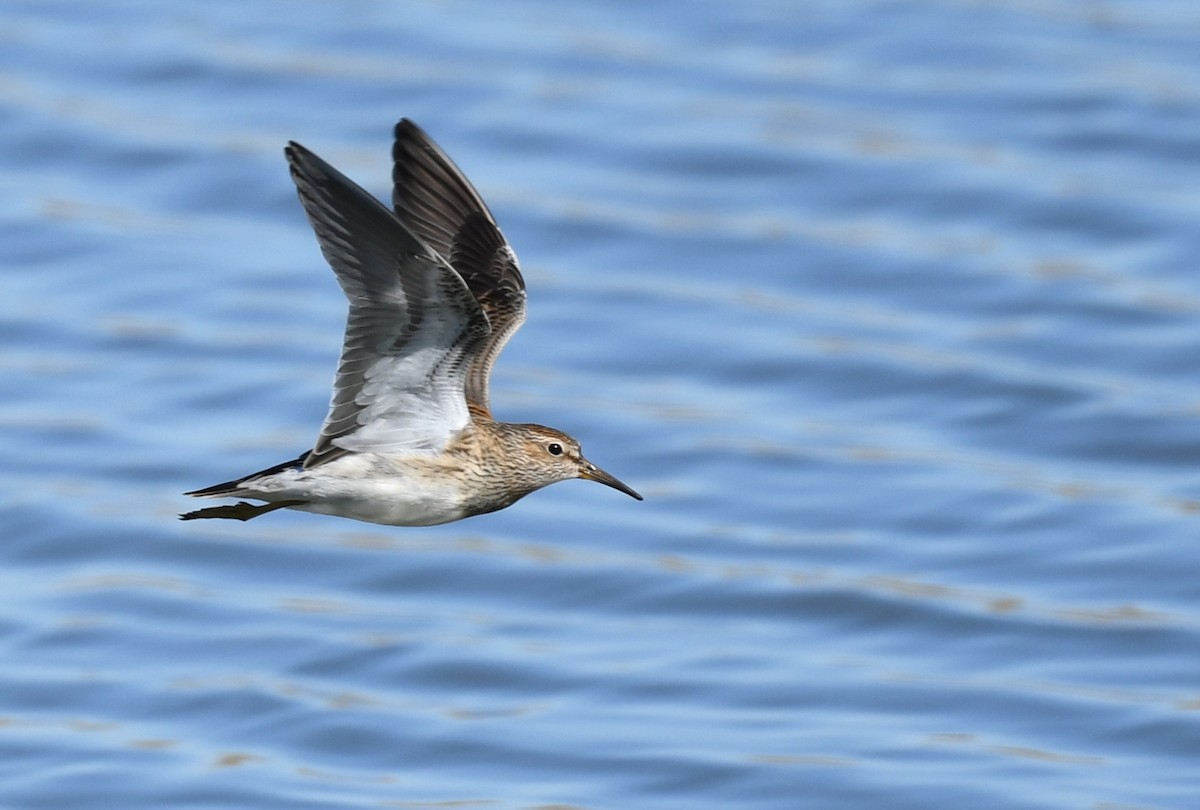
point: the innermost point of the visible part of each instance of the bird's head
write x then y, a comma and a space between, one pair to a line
552, 456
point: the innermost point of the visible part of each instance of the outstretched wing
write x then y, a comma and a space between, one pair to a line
433, 198
412, 329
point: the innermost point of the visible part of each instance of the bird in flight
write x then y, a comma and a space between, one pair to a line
435, 292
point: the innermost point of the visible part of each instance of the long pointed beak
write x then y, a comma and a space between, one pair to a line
591, 472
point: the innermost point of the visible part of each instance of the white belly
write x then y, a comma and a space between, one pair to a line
390, 490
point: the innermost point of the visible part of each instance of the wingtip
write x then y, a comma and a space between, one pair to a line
406, 125
296, 152
312, 175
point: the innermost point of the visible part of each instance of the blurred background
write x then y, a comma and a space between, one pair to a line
889, 308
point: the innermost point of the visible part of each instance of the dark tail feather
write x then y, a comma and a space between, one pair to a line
238, 511
229, 487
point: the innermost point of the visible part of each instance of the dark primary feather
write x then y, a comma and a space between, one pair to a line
433, 198
412, 326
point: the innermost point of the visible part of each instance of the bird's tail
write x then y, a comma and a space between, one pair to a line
240, 510
231, 487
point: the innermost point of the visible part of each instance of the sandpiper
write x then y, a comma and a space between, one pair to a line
435, 292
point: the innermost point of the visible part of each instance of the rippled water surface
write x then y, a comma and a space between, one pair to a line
890, 309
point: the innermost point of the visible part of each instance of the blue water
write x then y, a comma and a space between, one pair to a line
890, 309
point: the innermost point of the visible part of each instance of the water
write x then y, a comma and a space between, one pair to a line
888, 308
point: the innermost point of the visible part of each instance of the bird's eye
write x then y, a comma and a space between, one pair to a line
554, 449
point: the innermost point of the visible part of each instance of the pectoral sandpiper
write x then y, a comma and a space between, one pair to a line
435, 292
